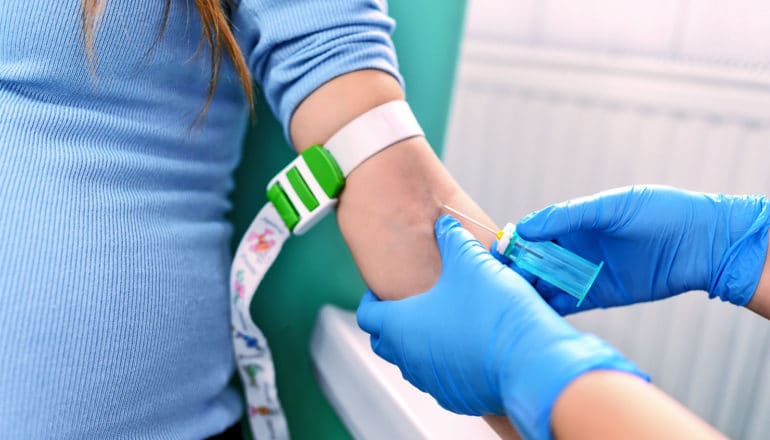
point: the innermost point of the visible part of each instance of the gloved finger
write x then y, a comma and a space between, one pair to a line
564, 304
371, 317
531, 279
597, 212
547, 290
455, 240
371, 314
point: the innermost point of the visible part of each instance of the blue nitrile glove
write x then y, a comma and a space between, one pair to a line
481, 340
657, 242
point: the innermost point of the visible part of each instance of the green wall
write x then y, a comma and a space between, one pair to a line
427, 38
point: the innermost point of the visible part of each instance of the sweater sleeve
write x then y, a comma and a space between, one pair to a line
292, 47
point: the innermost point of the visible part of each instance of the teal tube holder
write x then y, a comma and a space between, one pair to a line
550, 262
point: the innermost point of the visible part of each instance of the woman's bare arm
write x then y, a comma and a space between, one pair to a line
395, 196
390, 202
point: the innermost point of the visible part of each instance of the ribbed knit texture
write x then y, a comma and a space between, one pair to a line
114, 250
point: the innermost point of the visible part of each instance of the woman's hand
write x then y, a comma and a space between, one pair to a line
657, 242
481, 340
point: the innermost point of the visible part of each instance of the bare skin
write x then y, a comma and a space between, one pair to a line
760, 302
609, 404
396, 195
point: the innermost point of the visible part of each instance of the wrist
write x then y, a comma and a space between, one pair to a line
760, 300
738, 274
530, 386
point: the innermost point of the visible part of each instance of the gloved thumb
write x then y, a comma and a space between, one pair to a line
545, 224
597, 212
454, 240
370, 314
556, 220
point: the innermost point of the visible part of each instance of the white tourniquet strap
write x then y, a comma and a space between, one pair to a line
371, 133
364, 137
258, 249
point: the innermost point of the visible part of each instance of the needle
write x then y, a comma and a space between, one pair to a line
498, 234
475, 222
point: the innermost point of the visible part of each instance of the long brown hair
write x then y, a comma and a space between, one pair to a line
216, 35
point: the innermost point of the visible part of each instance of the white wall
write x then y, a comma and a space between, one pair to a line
733, 32
557, 99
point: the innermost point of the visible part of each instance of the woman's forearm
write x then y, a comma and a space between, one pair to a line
390, 202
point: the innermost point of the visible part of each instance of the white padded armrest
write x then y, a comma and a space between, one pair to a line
369, 394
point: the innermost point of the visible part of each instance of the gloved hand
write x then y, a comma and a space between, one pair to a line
481, 340
657, 242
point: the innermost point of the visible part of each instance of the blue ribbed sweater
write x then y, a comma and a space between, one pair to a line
114, 250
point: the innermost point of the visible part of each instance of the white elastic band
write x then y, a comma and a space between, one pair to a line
364, 137
371, 133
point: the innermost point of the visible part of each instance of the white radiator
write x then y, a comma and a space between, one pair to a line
532, 125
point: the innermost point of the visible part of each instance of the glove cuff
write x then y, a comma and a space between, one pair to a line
741, 267
531, 387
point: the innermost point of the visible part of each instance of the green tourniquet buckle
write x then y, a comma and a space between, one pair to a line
306, 189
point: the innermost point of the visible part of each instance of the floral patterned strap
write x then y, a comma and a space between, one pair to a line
258, 249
